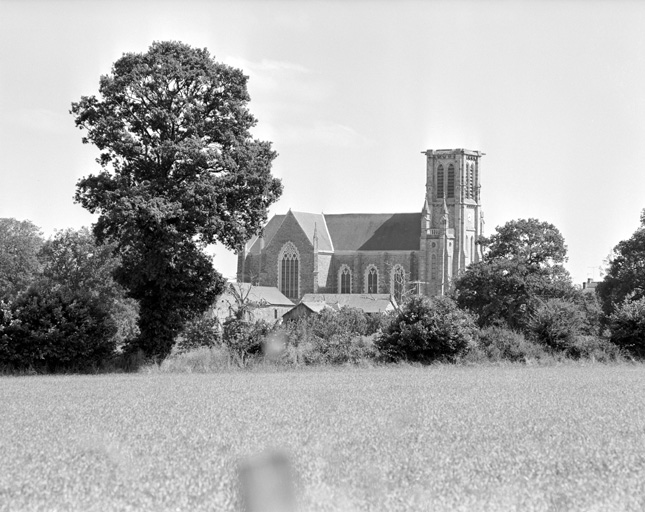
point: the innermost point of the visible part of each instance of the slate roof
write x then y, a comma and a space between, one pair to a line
316, 307
268, 295
375, 231
369, 303
269, 232
310, 222
352, 231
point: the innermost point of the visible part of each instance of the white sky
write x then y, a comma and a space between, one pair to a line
350, 93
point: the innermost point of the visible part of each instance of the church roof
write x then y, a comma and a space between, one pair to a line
375, 231
310, 222
351, 231
269, 232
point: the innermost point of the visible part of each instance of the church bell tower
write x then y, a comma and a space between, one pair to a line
452, 218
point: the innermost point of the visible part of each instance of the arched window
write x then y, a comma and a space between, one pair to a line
371, 279
397, 284
345, 280
469, 189
440, 182
433, 266
451, 182
289, 271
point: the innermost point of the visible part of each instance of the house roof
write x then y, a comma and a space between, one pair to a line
268, 295
369, 303
316, 307
375, 231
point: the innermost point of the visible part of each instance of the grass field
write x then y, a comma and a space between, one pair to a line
400, 438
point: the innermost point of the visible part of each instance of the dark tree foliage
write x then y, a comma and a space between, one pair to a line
426, 330
180, 170
531, 241
556, 323
627, 325
73, 260
626, 274
20, 242
521, 268
52, 329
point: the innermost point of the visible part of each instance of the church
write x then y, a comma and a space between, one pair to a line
372, 253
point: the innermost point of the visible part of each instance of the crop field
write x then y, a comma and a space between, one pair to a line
398, 438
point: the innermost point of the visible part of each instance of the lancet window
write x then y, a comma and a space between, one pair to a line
289, 271
345, 280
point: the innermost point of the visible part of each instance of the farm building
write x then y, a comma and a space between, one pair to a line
315, 302
264, 302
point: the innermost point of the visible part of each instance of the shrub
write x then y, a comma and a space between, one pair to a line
203, 331
627, 326
594, 348
198, 360
53, 329
334, 337
499, 343
339, 349
555, 323
426, 330
244, 339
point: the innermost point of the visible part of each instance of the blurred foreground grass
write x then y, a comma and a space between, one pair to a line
398, 438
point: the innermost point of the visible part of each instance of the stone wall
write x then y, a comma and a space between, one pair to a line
290, 231
384, 261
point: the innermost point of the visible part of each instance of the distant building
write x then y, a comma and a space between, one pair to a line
375, 253
590, 285
372, 304
265, 302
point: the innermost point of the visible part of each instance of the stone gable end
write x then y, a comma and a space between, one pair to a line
289, 231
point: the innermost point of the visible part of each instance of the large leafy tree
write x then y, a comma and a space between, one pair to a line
528, 241
522, 266
179, 170
625, 277
20, 242
74, 262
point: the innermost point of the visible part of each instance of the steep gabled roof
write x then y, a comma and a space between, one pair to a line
351, 231
375, 231
314, 222
264, 295
269, 232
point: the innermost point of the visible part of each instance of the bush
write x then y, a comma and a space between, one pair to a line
627, 326
426, 330
51, 329
555, 323
501, 344
594, 348
334, 337
198, 360
200, 332
339, 349
244, 339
